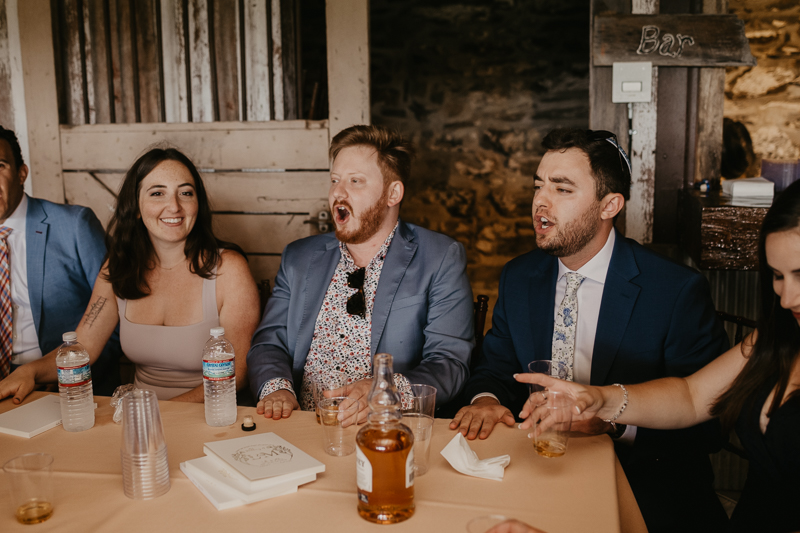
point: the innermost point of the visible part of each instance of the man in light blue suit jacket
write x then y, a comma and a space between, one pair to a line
64, 250
413, 300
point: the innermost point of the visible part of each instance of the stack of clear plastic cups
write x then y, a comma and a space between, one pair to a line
145, 471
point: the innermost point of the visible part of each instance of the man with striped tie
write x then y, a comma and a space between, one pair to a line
612, 312
50, 255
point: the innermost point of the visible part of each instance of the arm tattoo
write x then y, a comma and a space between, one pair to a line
94, 311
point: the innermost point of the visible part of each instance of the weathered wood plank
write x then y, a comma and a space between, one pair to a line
147, 54
290, 36
639, 210
70, 23
277, 61
173, 46
347, 27
256, 61
97, 61
273, 192
226, 49
262, 233
41, 104
671, 40
264, 267
201, 86
221, 145
88, 190
123, 60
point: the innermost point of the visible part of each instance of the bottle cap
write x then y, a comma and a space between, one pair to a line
218, 331
248, 424
69, 336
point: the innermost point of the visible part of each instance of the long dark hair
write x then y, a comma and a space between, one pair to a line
130, 251
778, 340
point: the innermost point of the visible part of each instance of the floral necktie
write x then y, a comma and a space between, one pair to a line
566, 323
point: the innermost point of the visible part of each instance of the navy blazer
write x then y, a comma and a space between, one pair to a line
65, 250
656, 320
422, 313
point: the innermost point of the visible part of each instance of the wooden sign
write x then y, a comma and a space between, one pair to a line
671, 40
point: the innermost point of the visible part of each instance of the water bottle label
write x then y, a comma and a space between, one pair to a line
74, 376
363, 471
218, 369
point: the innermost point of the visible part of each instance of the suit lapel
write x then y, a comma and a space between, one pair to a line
542, 291
619, 299
35, 242
401, 251
321, 267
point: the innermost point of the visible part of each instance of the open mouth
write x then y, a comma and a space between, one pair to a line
542, 223
171, 220
341, 214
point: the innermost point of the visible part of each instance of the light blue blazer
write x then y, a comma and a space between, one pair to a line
65, 250
422, 313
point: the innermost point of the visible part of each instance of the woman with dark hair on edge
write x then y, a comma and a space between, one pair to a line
753, 387
167, 281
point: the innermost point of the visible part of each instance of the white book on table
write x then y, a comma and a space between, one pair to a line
214, 468
264, 460
753, 187
223, 496
32, 418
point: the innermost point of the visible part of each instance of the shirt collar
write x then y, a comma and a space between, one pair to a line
596, 268
379, 256
17, 218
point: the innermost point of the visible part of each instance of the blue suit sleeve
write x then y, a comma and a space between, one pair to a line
269, 356
449, 330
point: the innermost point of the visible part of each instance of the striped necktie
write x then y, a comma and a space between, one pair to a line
566, 324
6, 331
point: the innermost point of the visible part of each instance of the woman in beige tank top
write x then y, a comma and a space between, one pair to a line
167, 280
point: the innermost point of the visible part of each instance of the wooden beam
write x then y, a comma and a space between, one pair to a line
348, 63
41, 102
256, 61
639, 210
295, 144
671, 40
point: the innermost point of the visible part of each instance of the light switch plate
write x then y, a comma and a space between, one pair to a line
632, 82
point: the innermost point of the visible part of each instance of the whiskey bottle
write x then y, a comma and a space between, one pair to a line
385, 453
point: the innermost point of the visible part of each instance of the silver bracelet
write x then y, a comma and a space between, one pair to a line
624, 403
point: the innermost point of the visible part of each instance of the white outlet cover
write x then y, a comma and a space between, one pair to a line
632, 82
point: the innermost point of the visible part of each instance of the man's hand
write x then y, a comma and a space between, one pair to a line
19, 384
358, 392
479, 419
588, 428
277, 405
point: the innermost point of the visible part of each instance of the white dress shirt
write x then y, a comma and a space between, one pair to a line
26, 341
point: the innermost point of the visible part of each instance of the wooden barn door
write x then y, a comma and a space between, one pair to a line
105, 80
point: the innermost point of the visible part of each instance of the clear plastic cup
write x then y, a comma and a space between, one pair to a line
338, 417
30, 487
145, 471
419, 418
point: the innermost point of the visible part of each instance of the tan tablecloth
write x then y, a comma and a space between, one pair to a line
584, 491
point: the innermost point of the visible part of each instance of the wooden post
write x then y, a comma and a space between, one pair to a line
710, 111
348, 63
41, 102
639, 214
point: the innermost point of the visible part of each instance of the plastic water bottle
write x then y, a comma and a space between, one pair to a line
75, 384
219, 380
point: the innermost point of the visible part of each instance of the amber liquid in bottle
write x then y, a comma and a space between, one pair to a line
388, 452
385, 453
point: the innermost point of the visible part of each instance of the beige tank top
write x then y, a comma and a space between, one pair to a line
169, 359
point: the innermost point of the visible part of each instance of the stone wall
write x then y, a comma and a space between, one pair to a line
476, 85
766, 98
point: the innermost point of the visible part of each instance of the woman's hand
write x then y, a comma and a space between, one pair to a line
588, 400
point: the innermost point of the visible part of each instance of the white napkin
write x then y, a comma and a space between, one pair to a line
462, 458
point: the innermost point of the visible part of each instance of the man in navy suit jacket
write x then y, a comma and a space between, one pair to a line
640, 317
51, 283
377, 285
